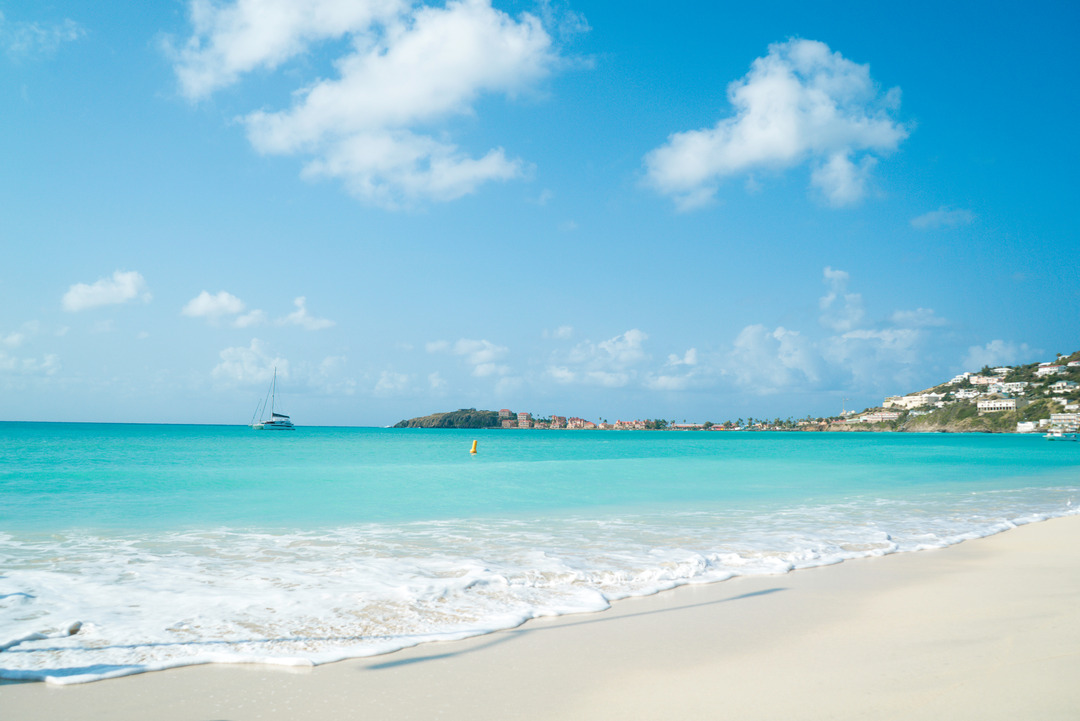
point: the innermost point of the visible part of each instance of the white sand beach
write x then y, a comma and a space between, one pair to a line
988, 629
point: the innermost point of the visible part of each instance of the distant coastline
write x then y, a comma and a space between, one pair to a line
1030, 398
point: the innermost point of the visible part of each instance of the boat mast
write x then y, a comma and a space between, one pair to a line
273, 393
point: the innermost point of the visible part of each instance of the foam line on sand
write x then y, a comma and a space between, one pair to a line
988, 629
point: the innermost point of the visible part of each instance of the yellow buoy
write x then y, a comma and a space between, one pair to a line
473, 451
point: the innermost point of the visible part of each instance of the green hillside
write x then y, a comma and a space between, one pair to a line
464, 418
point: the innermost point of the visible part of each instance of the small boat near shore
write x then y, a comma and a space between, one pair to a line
1061, 436
277, 421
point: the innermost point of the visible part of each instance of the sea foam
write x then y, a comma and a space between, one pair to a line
79, 606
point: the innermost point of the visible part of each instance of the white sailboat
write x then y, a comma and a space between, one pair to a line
277, 421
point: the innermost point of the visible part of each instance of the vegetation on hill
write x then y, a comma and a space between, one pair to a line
957, 415
464, 418
964, 416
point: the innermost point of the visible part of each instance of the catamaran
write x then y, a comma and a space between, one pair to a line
277, 421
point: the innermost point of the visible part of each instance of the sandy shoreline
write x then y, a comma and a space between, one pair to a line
989, 629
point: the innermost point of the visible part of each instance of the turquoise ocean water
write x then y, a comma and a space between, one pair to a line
174, 545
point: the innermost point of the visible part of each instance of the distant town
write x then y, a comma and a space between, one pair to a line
1037, 397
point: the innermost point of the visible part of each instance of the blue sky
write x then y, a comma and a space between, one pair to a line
599, 209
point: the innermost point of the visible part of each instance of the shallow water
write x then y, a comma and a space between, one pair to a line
174, 545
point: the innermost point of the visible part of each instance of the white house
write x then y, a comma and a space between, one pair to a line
879, 417
965, 394
990, 405
915, 401
1063, 387
1046, 369
1065, 421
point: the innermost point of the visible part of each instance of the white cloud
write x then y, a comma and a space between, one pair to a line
943, 217
391, 383
620, 351
408, 68
205, 305
21, 39
769, 361
848, 312
998, 353
840, 180
484, 370
855, 354
120, 288
436, 382
482, 355
610, 363
918, 318
561, 374
255, 317
801, 103
12, 340
47, 365
231, 39
886, 358
690, 358
301, 317
250, 365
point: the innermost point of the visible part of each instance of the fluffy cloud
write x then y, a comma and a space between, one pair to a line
998, 353
856, 355
250, 365
231, 39
679, 373
769, 361
943, 217
120, 288
840, 310
255, 317
407, 68
482, 355
690, 358
801, 103
22, 39
391, 384
618, 352
213, 307
302, 318
609, 364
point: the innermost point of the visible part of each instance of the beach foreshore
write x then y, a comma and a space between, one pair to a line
987, 629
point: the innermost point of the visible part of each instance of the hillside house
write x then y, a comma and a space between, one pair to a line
1063, 387
992, 405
